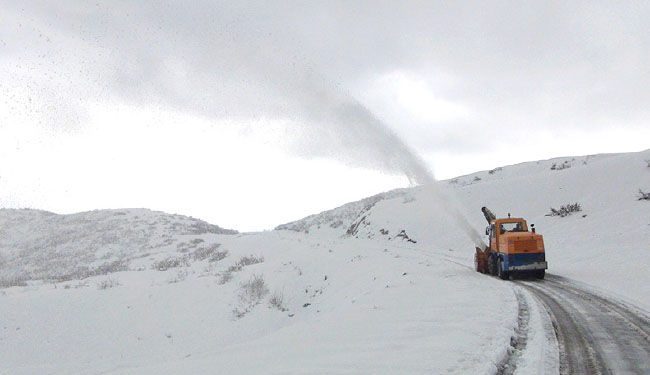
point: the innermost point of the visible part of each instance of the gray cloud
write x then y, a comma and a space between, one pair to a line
517, 65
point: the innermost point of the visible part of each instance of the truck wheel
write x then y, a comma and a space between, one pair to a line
540, 274
503, 275
492, 265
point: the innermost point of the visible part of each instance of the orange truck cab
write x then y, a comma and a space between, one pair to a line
512, 249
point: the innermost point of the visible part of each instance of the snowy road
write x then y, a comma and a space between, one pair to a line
596, 335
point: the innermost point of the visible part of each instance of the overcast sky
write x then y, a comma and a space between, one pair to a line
249, 114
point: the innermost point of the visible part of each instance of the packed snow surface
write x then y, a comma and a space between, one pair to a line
384, 285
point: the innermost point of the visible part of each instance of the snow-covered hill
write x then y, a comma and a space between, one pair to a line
383, 285
340, 218
606, 244
273, 302
40, 245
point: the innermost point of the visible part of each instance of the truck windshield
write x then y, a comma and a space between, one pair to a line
512, 227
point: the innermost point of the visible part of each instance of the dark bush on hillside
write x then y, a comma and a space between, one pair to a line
165, 264
492, 171
107, 284
644, 196
559, 167
402, 234
84, 272
565, 210
251, 293
252, 259
211, 253
9, 281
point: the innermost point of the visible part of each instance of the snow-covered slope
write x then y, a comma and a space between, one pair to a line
275, 303
607, 244
384, 285
39, 245
340, 218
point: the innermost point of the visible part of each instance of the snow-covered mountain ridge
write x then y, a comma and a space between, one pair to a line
40, 245
346, 215
339, 217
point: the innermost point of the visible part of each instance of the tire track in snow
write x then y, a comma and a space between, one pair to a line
577, 352
634, 319
519, 341
596, 334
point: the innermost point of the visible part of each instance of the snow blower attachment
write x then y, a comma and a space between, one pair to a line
512, 248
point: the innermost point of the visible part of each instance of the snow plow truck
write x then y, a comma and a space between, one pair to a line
512, 249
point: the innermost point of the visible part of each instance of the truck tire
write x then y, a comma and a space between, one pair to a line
503, 275
492, 265
540, 274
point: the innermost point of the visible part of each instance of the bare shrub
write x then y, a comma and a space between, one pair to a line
9, 281
217, 256
224, 277
277, 301
251, 293
211, 253
109, 267
643, 196
402, 234
565, 210
248, 260
235, 268
255, 288
85, 272
239, 312
107, 284
336, 223
182, 247
171, 262
244, 261
559, 167
201, 227
492, 171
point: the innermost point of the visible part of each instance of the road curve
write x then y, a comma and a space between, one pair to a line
596, 335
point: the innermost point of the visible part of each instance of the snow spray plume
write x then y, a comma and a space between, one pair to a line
347, 130
450, 206
368, 141
468, 229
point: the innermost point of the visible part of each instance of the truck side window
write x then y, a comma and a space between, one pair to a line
491, 231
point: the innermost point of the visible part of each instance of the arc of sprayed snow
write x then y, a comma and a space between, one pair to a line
396, 154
